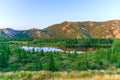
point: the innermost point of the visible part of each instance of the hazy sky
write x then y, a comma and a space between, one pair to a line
26, 14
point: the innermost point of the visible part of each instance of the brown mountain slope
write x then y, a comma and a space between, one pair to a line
68, 30
32, 33
87, 29
36, 33
107, 29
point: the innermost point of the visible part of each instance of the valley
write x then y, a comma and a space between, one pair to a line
59, 39
44, 59
68, 48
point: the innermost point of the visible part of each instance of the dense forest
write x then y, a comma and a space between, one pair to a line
105, 56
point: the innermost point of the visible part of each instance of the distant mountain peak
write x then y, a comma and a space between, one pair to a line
8, 28
9, 32
116, 21
90, 23
106, 29
67, 29
67, 23
5, 30
34, 29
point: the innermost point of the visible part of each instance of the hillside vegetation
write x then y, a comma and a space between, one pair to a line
15, 59
16, 63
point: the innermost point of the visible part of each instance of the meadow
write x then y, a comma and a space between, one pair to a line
74, 75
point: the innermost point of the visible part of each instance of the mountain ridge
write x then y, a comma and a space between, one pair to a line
68, 29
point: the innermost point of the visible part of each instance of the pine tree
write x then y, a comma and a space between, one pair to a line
4, 56
50, 64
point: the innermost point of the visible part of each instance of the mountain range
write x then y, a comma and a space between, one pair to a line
66, 29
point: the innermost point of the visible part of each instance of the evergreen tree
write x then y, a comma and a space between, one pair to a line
4, 56
50, 64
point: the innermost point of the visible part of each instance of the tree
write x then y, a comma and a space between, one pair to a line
4, 56
50, 64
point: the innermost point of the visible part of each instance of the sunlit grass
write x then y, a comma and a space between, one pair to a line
74, 75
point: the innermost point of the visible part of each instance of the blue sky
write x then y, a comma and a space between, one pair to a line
26, 14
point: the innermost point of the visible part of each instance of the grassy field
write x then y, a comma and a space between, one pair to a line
47, 75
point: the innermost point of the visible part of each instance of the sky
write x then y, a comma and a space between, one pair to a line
26, 14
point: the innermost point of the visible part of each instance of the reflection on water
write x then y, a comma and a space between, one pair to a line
74, 52
47, 49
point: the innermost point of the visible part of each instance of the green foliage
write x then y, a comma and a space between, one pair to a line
50, 63
14, 58
4, 56
116, 43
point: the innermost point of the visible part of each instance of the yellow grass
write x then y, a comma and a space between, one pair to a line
46, 75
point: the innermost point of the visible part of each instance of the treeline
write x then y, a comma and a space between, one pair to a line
83, 43
75, 41
63, 42
2, 40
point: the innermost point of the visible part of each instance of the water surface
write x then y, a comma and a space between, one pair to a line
47, 49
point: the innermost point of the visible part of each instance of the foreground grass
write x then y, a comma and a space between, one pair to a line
46, 75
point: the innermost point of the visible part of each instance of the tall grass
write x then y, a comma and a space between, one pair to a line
74, 75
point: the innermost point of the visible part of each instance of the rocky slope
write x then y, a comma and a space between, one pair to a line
32, 33
87, 29
107, 29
